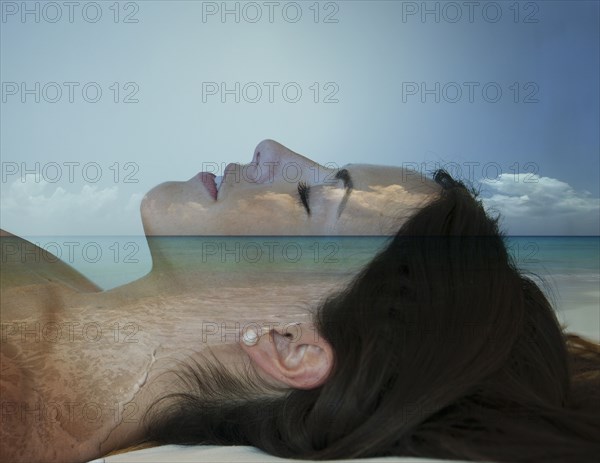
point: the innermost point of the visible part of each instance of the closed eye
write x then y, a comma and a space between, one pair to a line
304, 195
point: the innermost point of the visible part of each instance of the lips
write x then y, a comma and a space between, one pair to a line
208, 180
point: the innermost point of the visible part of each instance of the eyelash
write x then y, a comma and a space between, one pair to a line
304, 191
304, 194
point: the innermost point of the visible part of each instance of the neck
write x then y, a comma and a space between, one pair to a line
103, 354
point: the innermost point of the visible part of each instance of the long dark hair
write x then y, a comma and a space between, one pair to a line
443, 349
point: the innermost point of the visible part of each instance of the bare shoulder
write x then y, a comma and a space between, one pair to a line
23, 263
35, 425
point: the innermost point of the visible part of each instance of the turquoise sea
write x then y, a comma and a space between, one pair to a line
111, 261
567, 267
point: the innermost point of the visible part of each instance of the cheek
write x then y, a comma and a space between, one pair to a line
379, 212
268, 213
324, 205
358, 221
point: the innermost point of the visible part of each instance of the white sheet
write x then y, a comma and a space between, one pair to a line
220, 454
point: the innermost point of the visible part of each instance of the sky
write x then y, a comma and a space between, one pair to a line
101, 101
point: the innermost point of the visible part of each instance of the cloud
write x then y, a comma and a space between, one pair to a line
528, 204
42, 208
534, 205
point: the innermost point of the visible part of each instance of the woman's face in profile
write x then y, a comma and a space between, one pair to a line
284, 193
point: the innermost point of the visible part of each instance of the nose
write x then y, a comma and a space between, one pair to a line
273, 161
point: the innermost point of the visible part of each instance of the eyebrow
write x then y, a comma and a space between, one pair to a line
344, 176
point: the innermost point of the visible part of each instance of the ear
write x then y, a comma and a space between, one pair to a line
294, 355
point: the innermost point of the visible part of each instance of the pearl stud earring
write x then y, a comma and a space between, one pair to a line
250, 338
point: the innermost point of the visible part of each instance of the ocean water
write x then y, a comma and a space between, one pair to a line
111, 261
567, 267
